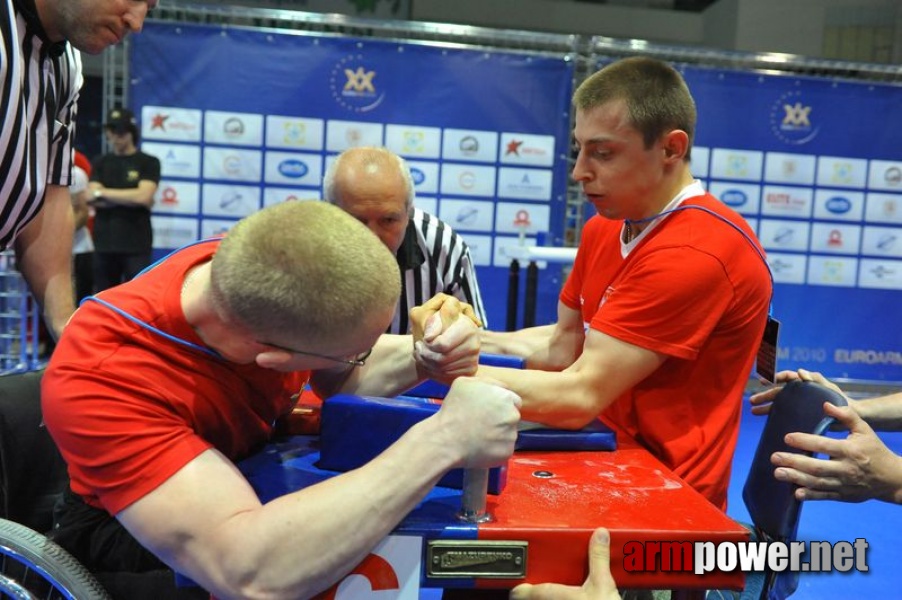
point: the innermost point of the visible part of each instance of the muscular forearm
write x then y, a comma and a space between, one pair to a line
558, 399
302, 543
389, 370
523, 343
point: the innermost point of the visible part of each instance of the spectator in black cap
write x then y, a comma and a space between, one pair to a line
40, 76
123, 184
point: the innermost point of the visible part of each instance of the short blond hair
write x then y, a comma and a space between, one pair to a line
303, 269
656, 96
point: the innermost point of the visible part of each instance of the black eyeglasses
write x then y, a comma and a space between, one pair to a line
354, 362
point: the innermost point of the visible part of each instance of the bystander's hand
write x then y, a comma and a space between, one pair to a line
761, 402
860, 467
598, 586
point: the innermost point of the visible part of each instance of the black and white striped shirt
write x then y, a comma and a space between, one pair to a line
433, 258
39, 84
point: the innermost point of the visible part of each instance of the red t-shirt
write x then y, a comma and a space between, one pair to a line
696, 290
128, 407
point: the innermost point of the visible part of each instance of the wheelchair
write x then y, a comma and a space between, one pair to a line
32, 476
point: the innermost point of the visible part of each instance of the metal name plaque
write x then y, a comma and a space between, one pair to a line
488, 559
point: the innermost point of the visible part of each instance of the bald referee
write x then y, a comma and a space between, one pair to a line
374, 185
40, 77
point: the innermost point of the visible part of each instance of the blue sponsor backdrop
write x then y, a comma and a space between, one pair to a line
207, 96
815, 165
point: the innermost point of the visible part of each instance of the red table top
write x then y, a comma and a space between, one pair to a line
628, 491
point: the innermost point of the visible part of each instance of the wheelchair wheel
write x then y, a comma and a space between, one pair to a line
32, 566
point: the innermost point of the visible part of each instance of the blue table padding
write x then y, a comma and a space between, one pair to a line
594, 436
356, 429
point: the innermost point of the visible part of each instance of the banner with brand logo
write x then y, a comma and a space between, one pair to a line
244, 118
815, 166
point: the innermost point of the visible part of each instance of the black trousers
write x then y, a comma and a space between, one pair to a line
83, 270
113, 268
124, 567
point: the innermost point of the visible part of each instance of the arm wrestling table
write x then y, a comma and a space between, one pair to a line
542, 519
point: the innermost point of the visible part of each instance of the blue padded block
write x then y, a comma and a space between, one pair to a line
354, 430
594, 436
434, 389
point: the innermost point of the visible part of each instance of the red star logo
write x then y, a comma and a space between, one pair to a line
513, 147
158, 122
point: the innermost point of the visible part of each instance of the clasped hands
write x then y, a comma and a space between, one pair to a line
445, 338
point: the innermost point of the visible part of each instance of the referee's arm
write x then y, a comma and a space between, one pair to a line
44, 257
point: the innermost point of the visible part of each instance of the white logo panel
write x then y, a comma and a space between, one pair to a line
880, 274
780, 201
838, 205
832, 270
524, 184
468, 215
789, 168
882, 241
528, 218
294, 168
413, 141
835, 239
173, 232
469, 145
341, 135
173, 196
223, 200
784, 235
787, 268
235, 129
745, 165
883, 208
171, 124
524, 149
468, 180
295, 133
841, 172
232, 164
885, 175
744, 198
424, 175
176, 160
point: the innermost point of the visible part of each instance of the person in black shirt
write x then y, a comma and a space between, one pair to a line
123, 184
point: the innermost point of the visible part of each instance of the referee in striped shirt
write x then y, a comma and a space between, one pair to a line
40, 77
375, 186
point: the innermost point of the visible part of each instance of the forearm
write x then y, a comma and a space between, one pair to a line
523, 342
563, 399
44, 257
300, 544
883, 413
389, 370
